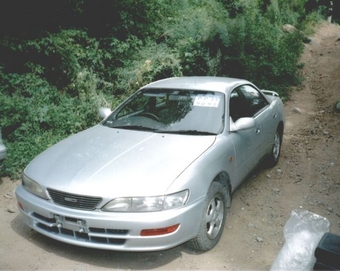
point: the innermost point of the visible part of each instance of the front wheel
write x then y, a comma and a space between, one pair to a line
214, 215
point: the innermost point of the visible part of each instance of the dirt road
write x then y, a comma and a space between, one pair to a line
307, 177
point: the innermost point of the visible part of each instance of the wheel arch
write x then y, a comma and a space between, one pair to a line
213, 217
224, 179
280, 129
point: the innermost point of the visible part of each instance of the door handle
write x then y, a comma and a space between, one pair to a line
258, 130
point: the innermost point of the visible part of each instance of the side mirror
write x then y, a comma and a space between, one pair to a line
242, 124
104, 112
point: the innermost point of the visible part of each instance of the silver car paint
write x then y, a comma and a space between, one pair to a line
111, 163
3, 150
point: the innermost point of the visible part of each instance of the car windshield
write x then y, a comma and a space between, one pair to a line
171, 111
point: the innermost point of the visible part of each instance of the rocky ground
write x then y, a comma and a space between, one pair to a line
306, 178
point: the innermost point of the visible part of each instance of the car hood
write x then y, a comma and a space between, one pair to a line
108, 162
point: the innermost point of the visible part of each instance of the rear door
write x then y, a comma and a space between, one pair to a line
262, 112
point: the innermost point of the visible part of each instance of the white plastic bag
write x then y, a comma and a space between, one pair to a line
303, 231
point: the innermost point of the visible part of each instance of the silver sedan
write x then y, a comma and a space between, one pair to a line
159, 170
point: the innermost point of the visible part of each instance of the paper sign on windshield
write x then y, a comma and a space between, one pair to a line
206, 101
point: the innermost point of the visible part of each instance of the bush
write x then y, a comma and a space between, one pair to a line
54, 79
152, 62
261, 52
39, 116
248, 45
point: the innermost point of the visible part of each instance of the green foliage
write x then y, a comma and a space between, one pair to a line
36, 114
56, 71
248, 45
286, 12
195, 36
262, 52
152, 62
234, 7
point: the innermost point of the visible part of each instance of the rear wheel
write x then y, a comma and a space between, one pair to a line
213, 219
274, 156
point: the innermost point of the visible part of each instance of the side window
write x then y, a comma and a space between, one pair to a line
254, 98
238, 106
245, 101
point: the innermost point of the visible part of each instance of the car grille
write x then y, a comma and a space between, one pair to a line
91, 234
74, 201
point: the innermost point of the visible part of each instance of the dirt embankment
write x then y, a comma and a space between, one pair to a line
307, 177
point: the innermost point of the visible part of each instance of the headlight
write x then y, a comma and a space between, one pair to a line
147, 204
33, 187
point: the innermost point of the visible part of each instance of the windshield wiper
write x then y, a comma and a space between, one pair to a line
134, 127
185, 132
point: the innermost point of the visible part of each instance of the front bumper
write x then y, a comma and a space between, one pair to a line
105, 230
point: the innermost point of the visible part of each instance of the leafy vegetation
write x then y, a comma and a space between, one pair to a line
61, 61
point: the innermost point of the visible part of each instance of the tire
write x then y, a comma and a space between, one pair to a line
274, 155
213, 218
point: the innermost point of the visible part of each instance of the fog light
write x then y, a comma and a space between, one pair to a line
160, 231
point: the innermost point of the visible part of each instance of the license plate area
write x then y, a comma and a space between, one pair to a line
70, 223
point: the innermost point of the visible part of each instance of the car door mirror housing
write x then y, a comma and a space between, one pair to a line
242, 124
104, 112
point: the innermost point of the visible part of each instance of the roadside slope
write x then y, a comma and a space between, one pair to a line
307, 177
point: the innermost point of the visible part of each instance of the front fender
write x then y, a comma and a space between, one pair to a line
198, 176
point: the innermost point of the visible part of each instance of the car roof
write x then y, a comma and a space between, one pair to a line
211, 83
